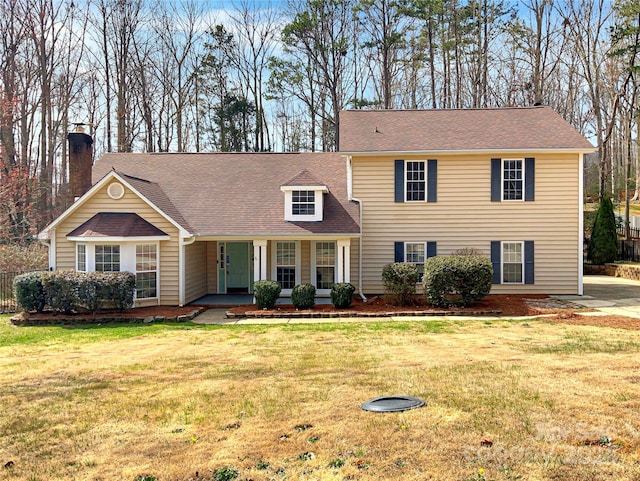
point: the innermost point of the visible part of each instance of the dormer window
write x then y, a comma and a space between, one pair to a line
303, 198
303, 202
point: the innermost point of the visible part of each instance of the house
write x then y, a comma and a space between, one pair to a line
406, 185
505, 182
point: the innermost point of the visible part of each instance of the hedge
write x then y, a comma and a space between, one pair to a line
456, 280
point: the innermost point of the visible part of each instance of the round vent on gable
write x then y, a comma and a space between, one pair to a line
115, 190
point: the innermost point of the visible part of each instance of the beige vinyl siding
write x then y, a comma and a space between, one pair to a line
464, 216
101, 202
195, 271
212, 267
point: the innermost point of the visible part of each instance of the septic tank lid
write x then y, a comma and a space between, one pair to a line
388, 404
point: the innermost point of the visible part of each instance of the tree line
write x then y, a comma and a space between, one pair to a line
158, 76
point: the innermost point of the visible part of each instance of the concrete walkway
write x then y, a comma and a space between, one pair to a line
607, 295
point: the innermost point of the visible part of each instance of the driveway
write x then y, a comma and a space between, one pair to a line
609, 295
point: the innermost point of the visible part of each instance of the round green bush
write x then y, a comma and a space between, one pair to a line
266, 293
342, 294
400, 280
303, 296
29, 292
457, 280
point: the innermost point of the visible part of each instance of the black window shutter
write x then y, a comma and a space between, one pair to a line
398, 251
495, 261
528, 262
432, 249
399, 180
432, 180
529, 179
496, 177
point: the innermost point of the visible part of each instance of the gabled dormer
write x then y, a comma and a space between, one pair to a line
303, 198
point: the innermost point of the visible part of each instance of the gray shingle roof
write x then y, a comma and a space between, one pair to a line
463, 129
235, 194
116, 224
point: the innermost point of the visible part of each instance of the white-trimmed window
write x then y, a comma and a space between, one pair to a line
146, 271
107, 258
512, 262
415, 253
512, 179
415, 181
81, 257
303, 202
325, 264
286, 264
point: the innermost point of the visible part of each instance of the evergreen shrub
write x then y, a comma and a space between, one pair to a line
342, 294
266, 293
303, 296
456, 280
400, 280
29, 291
603, 245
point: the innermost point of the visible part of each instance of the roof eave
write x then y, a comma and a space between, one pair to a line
381, 153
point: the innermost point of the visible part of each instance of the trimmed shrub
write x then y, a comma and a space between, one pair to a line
29, 292
342, 294
266, 293
457, 280
61, 290
97, 290
303, 296
400, 280
603, 245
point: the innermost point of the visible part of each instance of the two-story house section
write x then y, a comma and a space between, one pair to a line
505, 182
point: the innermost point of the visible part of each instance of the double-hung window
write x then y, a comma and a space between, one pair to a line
513, 262
512, 179
146, 271
415, 187
81, 257
303, 202
286, 264
415, 253
107, 258
325, 261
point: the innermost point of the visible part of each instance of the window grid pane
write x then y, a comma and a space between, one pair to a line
512, 263
81, 250
415, 254
303, 202
146, 257
512, 180
325, 264
416, 185
146, 285
108, 258
286, 264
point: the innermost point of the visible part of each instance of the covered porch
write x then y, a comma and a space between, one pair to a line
222, 271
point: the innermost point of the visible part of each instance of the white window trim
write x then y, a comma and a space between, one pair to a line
86, 257
406, 181
318, 198
502, 179
502, 262
127, 259
157, 270
424, 247
274, 266
314, 265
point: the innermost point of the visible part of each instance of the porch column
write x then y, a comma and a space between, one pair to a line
259, 260
343, 259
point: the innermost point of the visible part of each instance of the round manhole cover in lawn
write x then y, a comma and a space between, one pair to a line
388, 404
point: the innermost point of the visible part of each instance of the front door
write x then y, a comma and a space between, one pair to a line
238, 268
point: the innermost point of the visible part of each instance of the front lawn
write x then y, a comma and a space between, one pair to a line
505, 401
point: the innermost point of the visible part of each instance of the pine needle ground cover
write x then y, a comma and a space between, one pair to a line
505, 401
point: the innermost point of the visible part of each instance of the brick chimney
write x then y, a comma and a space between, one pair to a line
80, 163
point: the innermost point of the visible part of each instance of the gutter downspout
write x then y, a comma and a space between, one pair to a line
183, 242
581, 225
354, 199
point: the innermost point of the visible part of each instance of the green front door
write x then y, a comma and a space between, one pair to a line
238, 267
